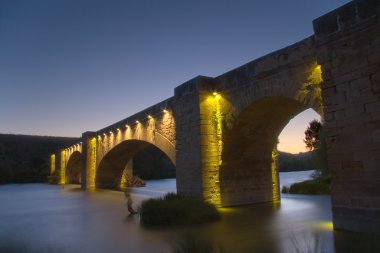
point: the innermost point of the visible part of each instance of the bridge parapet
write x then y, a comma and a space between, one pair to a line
154, 122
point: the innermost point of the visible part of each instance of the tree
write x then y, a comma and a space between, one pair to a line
312, 135
315, 140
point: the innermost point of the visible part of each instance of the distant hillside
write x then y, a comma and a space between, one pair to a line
25, 158
296, 162
152, 163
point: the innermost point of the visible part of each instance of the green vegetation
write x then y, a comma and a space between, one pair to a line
313, 186
173, 209
296, 162
26, 159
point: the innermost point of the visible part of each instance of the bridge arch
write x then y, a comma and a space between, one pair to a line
112, 164
73, 168
249, 170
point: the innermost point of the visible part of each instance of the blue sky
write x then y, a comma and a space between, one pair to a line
69, 66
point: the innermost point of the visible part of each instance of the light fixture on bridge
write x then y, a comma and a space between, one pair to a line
111, 132
104, 134
127, 126
165, 111
137, 122
215, 94
150, 117
118, 129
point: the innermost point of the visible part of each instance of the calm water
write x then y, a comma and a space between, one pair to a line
57, 219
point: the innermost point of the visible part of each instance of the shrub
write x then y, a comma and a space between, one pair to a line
173, 209
314, 186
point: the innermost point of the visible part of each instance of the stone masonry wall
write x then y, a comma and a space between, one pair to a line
348, 48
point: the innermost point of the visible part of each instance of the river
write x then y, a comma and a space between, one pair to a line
50, 218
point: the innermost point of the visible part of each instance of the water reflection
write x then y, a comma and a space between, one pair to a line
68, 220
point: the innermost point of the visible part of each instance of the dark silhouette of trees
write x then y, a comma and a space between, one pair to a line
315, 140
312, 135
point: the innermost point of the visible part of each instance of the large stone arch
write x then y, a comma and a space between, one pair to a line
253, 115
73, 168
249, 172
110, 169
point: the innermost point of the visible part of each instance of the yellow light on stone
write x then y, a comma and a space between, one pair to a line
91, 163
323, 225
63, 167
52, 164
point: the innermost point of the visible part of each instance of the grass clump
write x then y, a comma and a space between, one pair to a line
173, 210
312, 187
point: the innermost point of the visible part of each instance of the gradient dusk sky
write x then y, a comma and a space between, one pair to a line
70, 66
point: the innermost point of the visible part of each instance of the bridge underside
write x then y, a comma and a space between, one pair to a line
248, 173
111, 167
73, 169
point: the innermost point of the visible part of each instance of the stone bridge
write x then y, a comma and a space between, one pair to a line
221, 132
